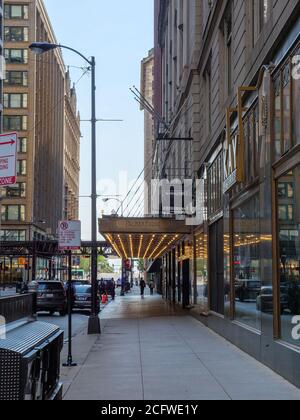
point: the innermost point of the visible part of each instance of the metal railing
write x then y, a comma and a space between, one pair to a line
15, 308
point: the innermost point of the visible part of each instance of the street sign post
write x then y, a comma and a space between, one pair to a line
69, 233
8, 159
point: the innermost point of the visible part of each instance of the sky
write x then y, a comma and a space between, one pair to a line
119, 34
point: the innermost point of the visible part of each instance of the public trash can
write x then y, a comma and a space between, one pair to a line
29, 352
30, 363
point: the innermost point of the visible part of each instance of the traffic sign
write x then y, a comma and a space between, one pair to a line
69, 233
8, 159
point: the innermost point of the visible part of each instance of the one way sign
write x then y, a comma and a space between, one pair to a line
8, 159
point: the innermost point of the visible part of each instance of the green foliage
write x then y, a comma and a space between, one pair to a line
141, 265
103, 265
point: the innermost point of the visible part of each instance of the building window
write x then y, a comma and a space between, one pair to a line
21, 167
286, 212
15, 191
16, 34
228, 48
208, 97
289, 251
16, 78
261, 13
252, 145
15, 122
16, 56
287, 107
246, 263
13, 235
201, 293
13, 213
286, 190
215, 187
15, 100
22, 145
16, 11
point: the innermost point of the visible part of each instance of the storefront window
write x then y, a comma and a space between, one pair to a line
247, 263
201, 272
289, 251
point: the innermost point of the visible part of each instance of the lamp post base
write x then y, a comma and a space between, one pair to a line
94, 325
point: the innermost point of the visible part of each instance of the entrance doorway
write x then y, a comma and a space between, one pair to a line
216, 267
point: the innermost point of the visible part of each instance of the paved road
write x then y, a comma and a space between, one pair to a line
80, 322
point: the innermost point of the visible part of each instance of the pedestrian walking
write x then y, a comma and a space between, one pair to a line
142, 287
113, 289
151, 287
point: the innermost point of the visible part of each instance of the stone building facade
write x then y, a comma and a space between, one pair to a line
230, 84
39, 105
147, 79
71, 153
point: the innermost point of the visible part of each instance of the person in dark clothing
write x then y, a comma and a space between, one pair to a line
113, 289
142, 287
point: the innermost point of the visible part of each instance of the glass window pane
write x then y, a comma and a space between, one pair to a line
201, 298
286, 110
247, 264
277, 119
13, 213
289, 255
16, 12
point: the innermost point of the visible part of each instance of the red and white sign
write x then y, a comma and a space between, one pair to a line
69, 233
8, 159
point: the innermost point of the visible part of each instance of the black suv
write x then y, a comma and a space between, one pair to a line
51, 297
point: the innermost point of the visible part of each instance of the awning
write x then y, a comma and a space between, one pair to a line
155, 267
147, 238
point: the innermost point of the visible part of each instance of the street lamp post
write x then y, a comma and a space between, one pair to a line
106, 200
43, 47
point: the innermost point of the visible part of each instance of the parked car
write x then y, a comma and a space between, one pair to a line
265, 301
78, 283
247, 290
52, 297
83, 298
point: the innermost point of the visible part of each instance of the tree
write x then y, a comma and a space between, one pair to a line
104, 266
141, 265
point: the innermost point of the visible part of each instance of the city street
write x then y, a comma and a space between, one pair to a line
160, 148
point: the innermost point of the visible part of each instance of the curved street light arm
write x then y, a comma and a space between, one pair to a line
90, 62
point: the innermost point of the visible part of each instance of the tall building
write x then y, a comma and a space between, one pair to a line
147, 80
230, 84
177, 99
40, 106
71, 153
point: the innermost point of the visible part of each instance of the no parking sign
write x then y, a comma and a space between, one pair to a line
69, 233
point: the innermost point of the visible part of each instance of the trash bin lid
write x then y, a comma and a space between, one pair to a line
26, 338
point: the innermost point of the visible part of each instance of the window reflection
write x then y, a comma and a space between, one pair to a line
247, 263
289, 250
201, 275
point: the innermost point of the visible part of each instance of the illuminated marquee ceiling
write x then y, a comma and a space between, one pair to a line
142, 238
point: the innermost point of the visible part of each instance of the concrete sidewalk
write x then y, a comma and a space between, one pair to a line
148, 351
